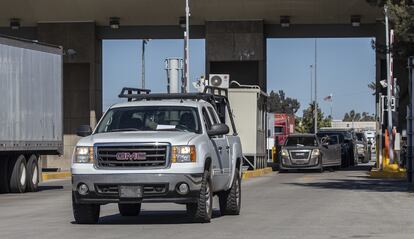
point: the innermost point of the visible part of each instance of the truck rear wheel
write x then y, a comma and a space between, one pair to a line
85, 213
129, 210
202, 210
4, 175
230, 201
18, 178
32, 174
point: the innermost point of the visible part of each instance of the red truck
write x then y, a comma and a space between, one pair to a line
284, 126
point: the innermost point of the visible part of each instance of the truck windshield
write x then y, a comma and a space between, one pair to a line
301, 141
151, 118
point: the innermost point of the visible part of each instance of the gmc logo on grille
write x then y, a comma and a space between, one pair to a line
300, 154
125, 156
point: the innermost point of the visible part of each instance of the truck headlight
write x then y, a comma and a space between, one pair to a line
316, 153
284, 153
83, 155
183, 154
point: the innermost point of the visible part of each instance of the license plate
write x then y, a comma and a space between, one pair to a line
130, 191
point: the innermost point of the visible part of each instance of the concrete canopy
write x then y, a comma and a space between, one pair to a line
167, 12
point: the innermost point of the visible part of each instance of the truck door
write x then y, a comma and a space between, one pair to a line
221, 153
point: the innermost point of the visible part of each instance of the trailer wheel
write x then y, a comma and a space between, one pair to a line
4, 175
18, 178
32, 174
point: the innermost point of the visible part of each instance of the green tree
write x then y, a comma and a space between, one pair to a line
307, 120
279, 103
401, 14
353, 116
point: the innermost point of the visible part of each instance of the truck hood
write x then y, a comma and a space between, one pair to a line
173, 137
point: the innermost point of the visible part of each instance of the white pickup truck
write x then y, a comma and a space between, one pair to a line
159, 148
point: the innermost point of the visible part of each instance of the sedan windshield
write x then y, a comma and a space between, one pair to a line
150, 118
301, 141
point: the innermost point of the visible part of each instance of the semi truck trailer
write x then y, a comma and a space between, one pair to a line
31, 110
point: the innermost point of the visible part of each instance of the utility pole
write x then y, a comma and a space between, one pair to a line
311, 83
144, 42
389, 84
316, 87
187, 48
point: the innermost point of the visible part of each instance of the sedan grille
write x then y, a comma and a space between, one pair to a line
132, 156
300, 154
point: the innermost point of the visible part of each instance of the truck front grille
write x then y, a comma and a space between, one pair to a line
132, 156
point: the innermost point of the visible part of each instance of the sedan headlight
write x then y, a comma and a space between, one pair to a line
284, 153
183, 154
83, 155
316, 153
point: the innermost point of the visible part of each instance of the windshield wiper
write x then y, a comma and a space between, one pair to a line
125, 129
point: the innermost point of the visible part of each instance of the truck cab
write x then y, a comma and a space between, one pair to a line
158, 148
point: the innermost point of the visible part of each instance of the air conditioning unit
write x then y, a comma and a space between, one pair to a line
219, 80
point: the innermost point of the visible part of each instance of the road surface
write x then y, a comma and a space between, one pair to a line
342, 204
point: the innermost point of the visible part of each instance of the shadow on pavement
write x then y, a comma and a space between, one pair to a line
364, 167
47, 188
151, 217
362, 183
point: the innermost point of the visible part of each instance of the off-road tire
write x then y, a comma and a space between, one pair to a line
129, 210
203, 209
18, 175
32, 174
85, 213
230, 200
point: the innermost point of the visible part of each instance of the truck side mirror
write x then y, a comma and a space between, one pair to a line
218, 129
84, 130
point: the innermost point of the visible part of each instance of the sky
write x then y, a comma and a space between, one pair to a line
344, 69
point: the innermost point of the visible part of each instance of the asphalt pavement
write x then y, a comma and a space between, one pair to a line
341, 204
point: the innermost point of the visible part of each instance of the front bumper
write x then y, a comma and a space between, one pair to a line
103, 189
286, 164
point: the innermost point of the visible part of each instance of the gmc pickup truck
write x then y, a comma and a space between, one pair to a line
159, 148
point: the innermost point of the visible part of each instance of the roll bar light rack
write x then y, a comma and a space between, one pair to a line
214, 95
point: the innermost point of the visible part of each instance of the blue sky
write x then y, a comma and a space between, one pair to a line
345, 67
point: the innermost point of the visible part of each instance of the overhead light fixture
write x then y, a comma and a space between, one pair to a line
114, 22
356, 20
285, 21
15, 23
181, 22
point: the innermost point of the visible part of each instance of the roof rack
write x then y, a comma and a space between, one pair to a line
129, 92
210, 94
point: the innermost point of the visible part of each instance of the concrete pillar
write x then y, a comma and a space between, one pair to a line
237, 48
82, 79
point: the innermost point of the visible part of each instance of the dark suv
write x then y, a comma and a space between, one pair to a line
347, 139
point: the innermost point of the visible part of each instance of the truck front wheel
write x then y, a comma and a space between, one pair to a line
85, 213
18, 176
32, 174
202, 210
129, 210
230, 201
